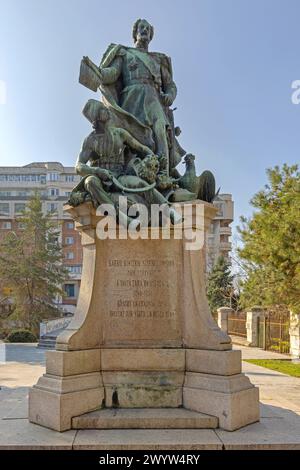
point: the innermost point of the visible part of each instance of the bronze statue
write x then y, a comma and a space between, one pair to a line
139, 85
133, 148
111, 167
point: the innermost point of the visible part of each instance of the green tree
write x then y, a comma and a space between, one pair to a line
31, 265
220, 285
271, 242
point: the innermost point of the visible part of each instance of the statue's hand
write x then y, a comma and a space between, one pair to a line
166, 99
100, 73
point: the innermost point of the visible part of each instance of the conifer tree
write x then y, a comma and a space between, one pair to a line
220, 285
31, 265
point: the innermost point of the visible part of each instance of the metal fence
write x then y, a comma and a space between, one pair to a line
273, 331
237, 324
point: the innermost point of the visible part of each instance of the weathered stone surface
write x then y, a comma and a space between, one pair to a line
144, 418
55, 410
64, 363
143, 378
142, 359
234, 410
217, 383
268, 434
72, 383
19, 434
213, 362
147, 439
143, 396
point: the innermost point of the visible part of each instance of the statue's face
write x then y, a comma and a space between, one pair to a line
143, 31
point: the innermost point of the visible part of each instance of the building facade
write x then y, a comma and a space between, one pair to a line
219, 237
54, 182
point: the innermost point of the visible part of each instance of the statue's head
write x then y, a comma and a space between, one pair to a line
189, 158
147, 168
96, 112
142, 31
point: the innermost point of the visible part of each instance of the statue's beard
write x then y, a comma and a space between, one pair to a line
142, 41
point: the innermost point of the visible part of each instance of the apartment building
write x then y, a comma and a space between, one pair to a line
54, 182
219, 237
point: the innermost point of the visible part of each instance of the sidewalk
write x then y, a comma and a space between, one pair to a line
275, 388
279, 427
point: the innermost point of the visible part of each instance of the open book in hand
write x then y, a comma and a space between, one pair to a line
89, 74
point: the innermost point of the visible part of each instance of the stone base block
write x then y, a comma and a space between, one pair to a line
56, 410
233, 400
142, 359
71, 386
213, 362
143, 388
145, 418
143, 396
64, 363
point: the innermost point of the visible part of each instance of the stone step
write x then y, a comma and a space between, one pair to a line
144, 418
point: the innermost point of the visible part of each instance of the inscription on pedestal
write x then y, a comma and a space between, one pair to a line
142, 303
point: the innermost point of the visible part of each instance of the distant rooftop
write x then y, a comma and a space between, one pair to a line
37, 166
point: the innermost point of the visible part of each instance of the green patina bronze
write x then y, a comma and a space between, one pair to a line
133, 148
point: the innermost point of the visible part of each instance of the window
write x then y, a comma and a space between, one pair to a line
5, 225
69, 240
4, 208
26, 178
54, 192
69, 178
70, 225
21, 225
220, 208
53, 176
76, 269
69, 290
5, 193
22, 193
52, 207
19, 207
67, 193
70, 255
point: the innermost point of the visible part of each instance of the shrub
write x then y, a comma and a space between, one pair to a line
3, 333
21, 336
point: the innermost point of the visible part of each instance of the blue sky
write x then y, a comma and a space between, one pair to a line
233, 60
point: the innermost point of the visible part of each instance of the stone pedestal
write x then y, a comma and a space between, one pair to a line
142, 336
252, 327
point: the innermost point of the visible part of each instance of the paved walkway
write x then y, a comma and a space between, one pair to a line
279, 427
275, 388
257, 353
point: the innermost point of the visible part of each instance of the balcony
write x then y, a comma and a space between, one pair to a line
225, 246
225, 231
